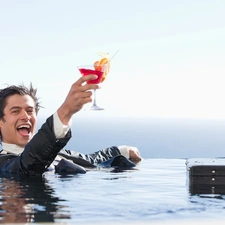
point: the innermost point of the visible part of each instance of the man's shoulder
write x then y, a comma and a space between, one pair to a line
5, 155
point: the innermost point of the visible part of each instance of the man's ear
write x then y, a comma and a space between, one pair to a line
1, 123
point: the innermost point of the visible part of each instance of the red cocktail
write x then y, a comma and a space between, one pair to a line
92, 70
99, 68
85, 72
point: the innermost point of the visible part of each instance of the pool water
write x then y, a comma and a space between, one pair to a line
156, 190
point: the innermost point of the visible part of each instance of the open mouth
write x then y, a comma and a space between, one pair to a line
24, 130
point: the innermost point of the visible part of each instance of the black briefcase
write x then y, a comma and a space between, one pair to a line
206, 176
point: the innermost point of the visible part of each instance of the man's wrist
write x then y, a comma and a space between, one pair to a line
124, 150
59, 128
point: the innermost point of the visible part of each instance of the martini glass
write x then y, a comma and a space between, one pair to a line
90, 70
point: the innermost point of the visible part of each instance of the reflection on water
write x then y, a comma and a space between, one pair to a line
29, 199
156, 190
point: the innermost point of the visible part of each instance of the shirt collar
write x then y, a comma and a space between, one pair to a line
12, 148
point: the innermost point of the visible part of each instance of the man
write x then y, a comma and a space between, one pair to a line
26, 153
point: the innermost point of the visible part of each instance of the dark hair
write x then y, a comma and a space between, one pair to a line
21, 90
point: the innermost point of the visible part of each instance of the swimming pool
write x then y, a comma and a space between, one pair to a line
156, 190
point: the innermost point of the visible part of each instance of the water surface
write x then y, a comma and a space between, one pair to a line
156, 190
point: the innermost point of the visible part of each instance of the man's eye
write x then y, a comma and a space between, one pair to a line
30, 112
15, 111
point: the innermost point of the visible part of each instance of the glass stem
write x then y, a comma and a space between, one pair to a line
94, 103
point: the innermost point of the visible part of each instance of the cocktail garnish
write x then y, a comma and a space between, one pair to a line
104, 62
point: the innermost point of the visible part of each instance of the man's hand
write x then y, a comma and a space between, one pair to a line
79, 94
134, 154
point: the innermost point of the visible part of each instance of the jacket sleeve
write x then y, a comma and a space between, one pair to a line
39, 153
93, 159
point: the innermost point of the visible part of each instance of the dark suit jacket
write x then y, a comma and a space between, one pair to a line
42, 150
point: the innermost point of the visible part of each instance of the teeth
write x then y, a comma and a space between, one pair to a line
24, 126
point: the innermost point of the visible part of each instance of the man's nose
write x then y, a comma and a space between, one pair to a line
24, 115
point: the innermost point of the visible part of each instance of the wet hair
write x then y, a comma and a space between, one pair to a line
20, 90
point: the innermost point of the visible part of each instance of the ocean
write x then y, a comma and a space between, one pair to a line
156, 191
154, 137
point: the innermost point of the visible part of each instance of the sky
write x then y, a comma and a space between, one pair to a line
171, 59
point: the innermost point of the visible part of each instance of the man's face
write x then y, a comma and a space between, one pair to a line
19, 121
